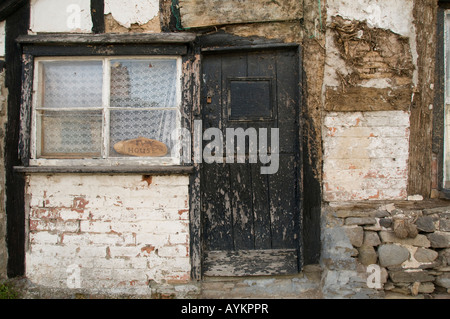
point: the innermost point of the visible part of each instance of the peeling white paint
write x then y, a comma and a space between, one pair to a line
386, 14
128, 12
333, 63
365, 155
396, 16
138, 227
61, 16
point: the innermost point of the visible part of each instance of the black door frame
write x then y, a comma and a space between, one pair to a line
222, 43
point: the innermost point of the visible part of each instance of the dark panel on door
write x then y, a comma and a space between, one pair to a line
251, 221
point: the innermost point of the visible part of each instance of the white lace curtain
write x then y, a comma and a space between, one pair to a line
142, 102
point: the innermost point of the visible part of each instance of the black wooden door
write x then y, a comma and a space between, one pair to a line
250, 220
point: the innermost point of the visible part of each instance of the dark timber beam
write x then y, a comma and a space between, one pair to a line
98, 16
17, 23
8, 7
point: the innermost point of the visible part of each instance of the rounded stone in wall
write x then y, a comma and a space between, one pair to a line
367, 255
392, 255
425, 255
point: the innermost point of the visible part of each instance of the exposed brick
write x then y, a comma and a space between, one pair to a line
365, 155
119, 229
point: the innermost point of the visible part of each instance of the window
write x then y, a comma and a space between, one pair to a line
112, 110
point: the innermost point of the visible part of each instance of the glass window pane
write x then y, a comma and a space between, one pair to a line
70, 134
143, 83
132, 124
71, 84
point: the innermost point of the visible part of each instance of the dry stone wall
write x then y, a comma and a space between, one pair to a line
411, 246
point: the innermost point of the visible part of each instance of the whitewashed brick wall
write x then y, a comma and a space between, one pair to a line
61, 16
121, 231
366, 155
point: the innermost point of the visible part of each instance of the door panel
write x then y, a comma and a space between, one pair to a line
250, 220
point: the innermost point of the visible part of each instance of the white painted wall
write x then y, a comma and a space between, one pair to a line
128, 12
119, 232
61, 16
366, 155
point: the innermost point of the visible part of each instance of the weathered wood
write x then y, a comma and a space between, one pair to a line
439, 102
241, 204
261, 211
216, 208
242, 209
223, 41
90, 39
25, 108
16, 24
251, 46
313, 63
104, 50
189, 95
195, 224
360, 99
191, 111
167, 17
141, 147
8, 7
420, 141
98, 16
203, 13
283, 203
148, 170
251, 262
287, 70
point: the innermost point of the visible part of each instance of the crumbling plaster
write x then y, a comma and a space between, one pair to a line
384, 14
370, 48
129, 12
396, 16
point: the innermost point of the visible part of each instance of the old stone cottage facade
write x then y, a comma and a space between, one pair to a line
347, 196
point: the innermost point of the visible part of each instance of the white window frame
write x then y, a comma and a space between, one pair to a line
446, 160
104, 160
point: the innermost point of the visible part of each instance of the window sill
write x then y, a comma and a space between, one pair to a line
148, 170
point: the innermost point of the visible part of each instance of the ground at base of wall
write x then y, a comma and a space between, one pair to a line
307, 285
